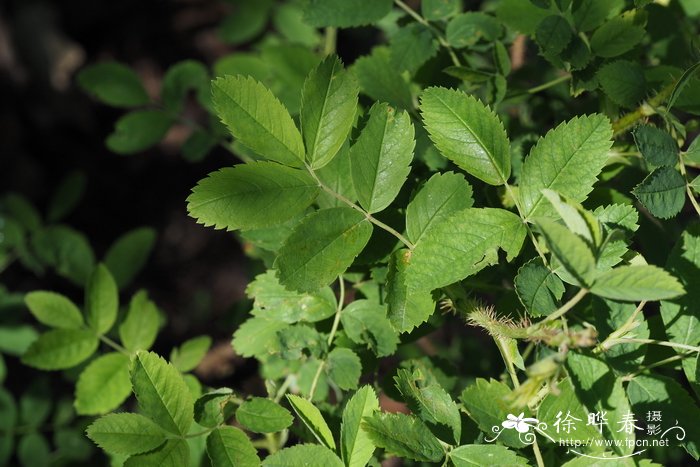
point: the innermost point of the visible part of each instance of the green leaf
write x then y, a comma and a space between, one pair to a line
403, 436
429, 401
345, 13
60, 349
186, 357
637, 283
412, 46
344, 368
33, 451
274, 301
365, 322
656, 145
617, 36
521, 16
570, 250
67, 251
139, 329
246, 196
228, 446
8, 419
337, 176
355, 444
485, 454
462, 245
262, 415
53, 309
381, 80
328, 106
538, 288
312, 418
114, 84
567, 160
301, 455
101, 300
590, 14
322, 247
406, 308
129, 253
138, 131
288, 20
126, 433
442, 195
257, 119
67, 196
623, 82
681, 84
381, 156
440, 9
466, 29
174, 453
486, 403
248, 21
468, 133
16, 339
180, 79
553, 35
103, 385
659, 393
662, 192
213, 409
161, 392
257, 337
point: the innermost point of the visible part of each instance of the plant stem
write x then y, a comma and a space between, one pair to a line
283, 388
641, 370
330, 41
438, 35
688, 190
626, 327
369, 216
549, 84
647, 109
530, 234
114, 345
566, 307
675, 345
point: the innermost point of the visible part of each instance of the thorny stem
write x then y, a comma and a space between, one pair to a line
334, 329
441, 39
647, 109
369, 216
641, 370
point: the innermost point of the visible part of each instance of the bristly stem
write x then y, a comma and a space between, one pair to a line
647, 109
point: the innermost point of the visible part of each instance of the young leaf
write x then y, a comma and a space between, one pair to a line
103, 385
180, 79
67, 196
365, 322
101, 300
129, 253
322, 247
355, 444
462, 245
345, 13
442, 195
381, 156
404, 436
440, 9
161, 392
328, 106
301, 455
174, 453
617, 36
578, 220
138, 131
262, 415
412, 46
186, 357
53, 309
228, 446
125, 433
538, 288
567, 160
570, 250
246, 196
67, 251
312, 418
344, 368
60, 349
381, 80
114, 84
210, 409
139, 329
468, 133
623, 82
637, 283
662, 192
257, 119
466, 29
406, 308
257, 337
485, 454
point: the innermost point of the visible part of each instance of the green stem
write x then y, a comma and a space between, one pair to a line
549, 84
625, 340
369, 216
283, 388
688, 190
330, 41
665, 361
626, 327
201, 433
530, 234
114, 345
566, 307
647, 109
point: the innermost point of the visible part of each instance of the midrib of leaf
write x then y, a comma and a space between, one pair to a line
476, 137
376, 167
226, 451
540, 196
662, 190
160, 399
435, 213
356, 432
251, 191
323, 112
335, 239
